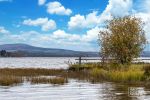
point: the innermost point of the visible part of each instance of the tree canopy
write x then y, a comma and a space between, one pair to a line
123, 39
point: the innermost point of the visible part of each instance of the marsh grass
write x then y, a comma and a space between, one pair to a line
85, 66
15, 76
10, 80
92, 72
30, 72
126, 76
44, 80
135, 72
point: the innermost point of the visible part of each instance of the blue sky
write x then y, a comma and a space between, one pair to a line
67, 24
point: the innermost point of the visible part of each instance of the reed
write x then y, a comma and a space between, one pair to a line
44, 80
10, 80
15, 76
30, 72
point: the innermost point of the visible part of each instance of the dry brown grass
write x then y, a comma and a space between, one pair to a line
15, 76
30, 71
10, 80
44, 80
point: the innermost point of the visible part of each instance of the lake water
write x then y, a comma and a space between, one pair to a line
36, 62
73, 90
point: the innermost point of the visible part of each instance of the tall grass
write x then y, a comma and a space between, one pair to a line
112, 72
91, 72
9, 77
44, 80
126, 76
10, 80
30, 71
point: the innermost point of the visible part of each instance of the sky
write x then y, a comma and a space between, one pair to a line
65, 24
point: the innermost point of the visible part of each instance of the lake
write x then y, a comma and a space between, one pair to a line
73, 90
36, 62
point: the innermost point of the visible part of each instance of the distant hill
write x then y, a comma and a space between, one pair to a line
32, 51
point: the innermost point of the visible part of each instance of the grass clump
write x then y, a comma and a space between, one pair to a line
126, 75
10, 80
98, 73
85, 66
44, 80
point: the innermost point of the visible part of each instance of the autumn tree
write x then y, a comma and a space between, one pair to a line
123, 39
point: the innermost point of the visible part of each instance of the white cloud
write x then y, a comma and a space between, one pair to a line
91, 35
41, 2
57, 8
50, 25
3, 30
114, 8
80, 21
119, 7
61, 34
146, 19
45, 23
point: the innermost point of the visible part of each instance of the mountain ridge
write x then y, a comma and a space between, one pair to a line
33, 51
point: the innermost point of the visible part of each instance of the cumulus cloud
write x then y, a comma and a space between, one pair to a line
57, 8
114, 8
41, 2
80, 21
61, 34
91, 35
119, 7
3, 30
45, 23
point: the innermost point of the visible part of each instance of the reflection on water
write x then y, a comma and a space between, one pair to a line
74, 90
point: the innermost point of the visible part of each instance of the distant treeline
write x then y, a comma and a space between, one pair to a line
4, 53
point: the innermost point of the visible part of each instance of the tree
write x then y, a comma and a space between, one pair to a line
123, 39
3, 53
